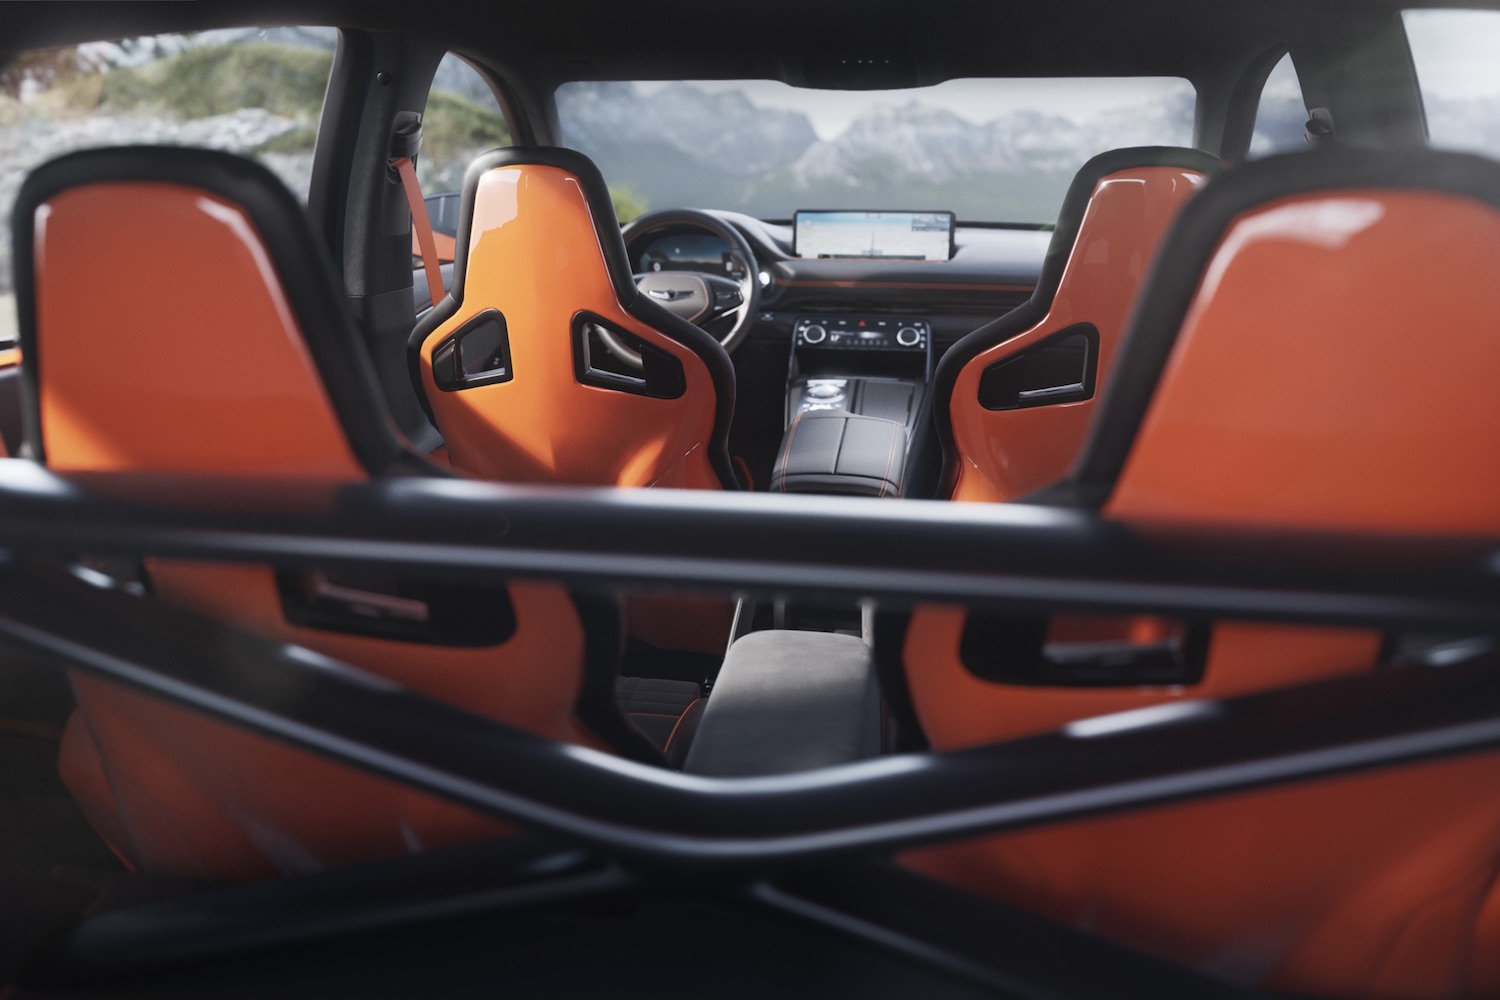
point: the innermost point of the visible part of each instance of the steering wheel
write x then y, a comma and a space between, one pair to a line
721, 306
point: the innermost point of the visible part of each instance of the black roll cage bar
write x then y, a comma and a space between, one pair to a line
749, 830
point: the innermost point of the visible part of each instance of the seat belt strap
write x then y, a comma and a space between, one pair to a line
422, 225
405, 142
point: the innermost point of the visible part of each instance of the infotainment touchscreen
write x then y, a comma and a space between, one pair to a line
874, 235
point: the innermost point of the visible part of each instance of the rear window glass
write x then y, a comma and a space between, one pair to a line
462, 119
987, 150
1281, 117
256, 92
1457, 56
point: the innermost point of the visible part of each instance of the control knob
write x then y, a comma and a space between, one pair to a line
908, 336
814, 334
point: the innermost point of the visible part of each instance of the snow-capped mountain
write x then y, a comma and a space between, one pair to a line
613, 120
678, 145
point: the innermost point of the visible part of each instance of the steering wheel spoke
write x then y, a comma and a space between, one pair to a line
721, 305
728, 295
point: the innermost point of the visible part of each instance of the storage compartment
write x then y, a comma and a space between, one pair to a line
831, 451
786, 702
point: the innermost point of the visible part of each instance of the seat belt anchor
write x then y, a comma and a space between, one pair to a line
406, 142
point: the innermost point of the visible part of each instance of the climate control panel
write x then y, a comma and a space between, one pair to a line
861, 333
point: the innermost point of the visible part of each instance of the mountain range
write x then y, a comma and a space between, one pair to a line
680, 145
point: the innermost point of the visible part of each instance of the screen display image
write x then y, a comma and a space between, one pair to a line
875, 235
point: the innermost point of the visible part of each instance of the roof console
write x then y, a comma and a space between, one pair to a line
842, 66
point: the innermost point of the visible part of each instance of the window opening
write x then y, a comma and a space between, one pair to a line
1282, 114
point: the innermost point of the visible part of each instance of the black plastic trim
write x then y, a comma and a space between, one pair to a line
662, 375
1012, 649
302, 265
469, 615
1065, 393
1173, 282
598, 705
338, 128
11, 409
447, 358
889, 645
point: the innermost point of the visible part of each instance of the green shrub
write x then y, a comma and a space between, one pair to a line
301, 139
217, 79
452, 125
629, 203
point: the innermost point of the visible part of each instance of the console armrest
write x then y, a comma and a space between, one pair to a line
831, 451
789, 701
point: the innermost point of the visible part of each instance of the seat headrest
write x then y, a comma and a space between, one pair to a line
539, 246
491, 193
1116, 209
177, 313
1081, 191
1315, 350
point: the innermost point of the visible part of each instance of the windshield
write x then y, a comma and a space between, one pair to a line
986, 150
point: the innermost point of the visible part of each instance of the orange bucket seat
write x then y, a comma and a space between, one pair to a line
178, 316
1013, 401
514, 374
1318, 356
1002, 441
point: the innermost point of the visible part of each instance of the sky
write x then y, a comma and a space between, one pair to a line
1457, 52
979, 101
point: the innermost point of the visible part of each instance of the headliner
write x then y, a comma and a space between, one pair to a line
931, 40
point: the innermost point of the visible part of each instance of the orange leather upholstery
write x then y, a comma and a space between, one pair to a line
540, 248
1318, 359
1116, 211
177, 315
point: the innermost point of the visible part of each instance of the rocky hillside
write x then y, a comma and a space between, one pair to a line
682, 146
258, 94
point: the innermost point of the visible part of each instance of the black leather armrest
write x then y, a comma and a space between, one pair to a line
789, 701
831, 451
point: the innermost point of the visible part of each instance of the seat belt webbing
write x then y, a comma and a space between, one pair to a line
423, 226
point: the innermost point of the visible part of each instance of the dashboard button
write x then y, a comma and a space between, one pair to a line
814, 334
908, 336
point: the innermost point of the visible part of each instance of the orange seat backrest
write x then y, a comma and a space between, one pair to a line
177, 316
1113, 218
539, 248
1115, 214
1321, 360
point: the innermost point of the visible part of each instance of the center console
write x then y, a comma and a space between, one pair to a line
876, 366
854, 387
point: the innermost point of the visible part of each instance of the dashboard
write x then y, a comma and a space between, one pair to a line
830, 332
992, 270
856, 333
